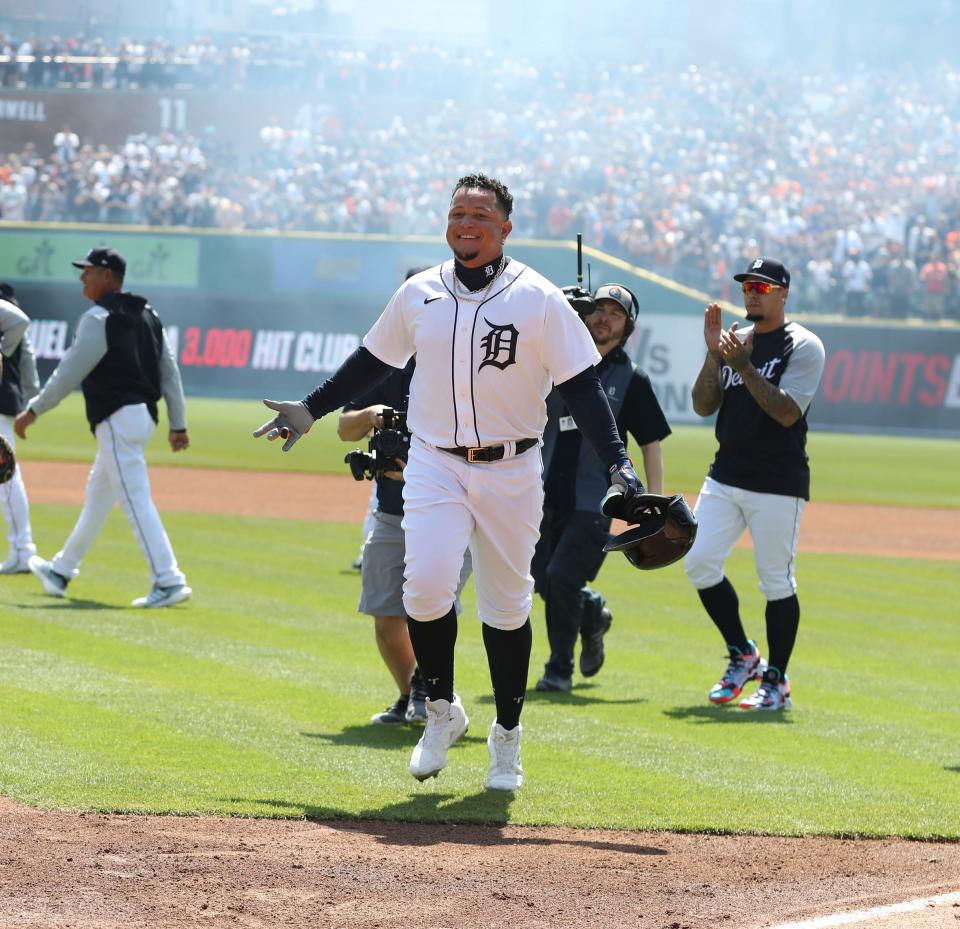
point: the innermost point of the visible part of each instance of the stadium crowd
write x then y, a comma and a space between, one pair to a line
852, 179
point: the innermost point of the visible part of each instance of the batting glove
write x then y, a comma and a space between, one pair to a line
624, 486
292, 421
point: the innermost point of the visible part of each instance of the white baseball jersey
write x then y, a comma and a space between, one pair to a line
485, 360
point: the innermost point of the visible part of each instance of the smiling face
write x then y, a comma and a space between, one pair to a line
476, 226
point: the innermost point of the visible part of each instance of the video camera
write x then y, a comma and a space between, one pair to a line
385, 445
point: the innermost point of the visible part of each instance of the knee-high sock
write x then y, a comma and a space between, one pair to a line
433, 645
783, 620
723, 605
508, 654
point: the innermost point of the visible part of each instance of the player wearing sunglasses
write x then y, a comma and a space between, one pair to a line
760, 382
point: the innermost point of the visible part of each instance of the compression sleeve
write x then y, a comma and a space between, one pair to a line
362, 371
587, 403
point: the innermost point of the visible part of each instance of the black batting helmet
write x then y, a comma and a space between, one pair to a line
664, 532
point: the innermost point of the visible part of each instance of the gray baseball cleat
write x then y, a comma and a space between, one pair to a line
53, 583
446, 722
164, 596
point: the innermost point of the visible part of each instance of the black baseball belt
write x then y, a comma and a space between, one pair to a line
489, 452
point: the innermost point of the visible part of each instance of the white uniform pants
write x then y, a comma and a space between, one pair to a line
16, 507
494, 508
119, 472
723, 512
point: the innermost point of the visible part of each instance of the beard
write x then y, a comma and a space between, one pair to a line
754, 317
466, 253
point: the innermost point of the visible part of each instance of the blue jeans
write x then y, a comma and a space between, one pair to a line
568, 555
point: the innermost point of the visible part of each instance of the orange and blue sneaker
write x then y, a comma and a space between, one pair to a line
742, 668
772, 694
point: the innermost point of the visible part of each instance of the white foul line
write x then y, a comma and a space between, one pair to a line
845, 919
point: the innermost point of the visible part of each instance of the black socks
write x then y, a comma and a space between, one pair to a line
508, 654
433, 645
783, 620
723, 606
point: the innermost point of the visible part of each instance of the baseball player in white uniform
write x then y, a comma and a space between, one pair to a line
491, 337
123, 361
18, 384
760, 382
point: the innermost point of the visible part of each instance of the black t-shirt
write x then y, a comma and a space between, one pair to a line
393, 392
640, 415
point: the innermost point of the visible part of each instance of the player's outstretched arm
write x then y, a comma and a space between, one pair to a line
361, 372
293, 420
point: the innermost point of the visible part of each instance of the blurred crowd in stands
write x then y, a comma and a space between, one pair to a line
853, 180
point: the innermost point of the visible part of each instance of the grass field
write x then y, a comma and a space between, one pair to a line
253, 698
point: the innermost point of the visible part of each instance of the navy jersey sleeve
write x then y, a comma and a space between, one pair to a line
583, 394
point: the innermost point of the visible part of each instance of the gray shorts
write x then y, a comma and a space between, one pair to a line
381, 572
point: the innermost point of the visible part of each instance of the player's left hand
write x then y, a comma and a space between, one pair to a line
178, 439
734, 350
625, 484
23, 422
292, 421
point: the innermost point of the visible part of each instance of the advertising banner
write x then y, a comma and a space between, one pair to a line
170, 261
876, 378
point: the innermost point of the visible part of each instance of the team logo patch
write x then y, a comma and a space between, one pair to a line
499, 346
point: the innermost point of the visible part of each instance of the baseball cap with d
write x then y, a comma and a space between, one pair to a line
619, 294
103, 258
766, 269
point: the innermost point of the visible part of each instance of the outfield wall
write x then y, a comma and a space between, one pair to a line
255, 315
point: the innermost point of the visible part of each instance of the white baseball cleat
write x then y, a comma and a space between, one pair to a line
505, 772
53, 583
446, 722
164, 596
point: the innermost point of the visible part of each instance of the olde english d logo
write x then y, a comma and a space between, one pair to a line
499, 346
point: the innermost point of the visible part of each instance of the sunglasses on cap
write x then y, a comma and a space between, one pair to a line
760, 287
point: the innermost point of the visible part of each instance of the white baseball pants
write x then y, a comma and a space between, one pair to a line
494, 508
723, 512
16, 507
119, 473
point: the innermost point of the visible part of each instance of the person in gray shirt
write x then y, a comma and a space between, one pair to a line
122, 359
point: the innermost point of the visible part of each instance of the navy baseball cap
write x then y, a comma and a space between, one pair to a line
766, 269
619, 294
103, 258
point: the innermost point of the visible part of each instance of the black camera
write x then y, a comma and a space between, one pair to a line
385, 445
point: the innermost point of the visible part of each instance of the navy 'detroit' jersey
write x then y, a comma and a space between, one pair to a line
757, 453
